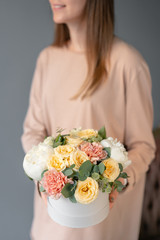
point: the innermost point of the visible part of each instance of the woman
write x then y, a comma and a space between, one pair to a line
91, 78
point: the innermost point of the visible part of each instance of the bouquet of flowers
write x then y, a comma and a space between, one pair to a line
77, 166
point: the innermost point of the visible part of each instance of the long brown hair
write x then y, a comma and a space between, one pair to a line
99, 15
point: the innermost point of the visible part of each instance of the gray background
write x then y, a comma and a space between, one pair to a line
26, 27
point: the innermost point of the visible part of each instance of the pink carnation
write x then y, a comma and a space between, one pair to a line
53, 182
93, 150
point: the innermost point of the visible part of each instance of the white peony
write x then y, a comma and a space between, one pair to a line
35, 161
118, 152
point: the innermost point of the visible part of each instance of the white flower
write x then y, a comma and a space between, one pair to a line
118, 152
49, 141
74, 131
35, 161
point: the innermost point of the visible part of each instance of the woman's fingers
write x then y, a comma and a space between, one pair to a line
114, 194
112, 197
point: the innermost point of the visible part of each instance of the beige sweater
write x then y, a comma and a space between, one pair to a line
123, 104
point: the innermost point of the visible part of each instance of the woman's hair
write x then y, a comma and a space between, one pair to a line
99, 15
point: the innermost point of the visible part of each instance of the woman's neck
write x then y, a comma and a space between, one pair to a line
77, 41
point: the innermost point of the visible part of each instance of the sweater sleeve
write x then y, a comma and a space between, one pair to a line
33, 127
139, 120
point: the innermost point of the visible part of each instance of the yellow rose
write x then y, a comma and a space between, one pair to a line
86, 191
74, 140
64, 150
79, 157
87, 133
56, 162
112, 169
68, 160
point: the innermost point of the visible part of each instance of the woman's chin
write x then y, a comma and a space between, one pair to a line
58, 19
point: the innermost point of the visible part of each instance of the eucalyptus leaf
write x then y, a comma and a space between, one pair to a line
29, 177
42, 174
102, 132
67, 172
56, 144
74, 175
72, 166
82, 177
95, 176
95, 169
109, 188
108, 150
120, 167
119, 186
101, 168
123, 175
86, 166
73, 199
104, 180
68, 190
42, 189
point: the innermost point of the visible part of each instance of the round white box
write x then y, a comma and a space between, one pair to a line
77, 215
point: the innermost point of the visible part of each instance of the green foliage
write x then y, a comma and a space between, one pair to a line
102, 132
69, 190
73, 199
123, 175
28, 176
72, 166
101, 167
118, 185
85, 170
95, 169
59, 140
97, 138
83, 175
42, 189
42, 174
67, 172
95, 176
104, 185
120, 167
108, 150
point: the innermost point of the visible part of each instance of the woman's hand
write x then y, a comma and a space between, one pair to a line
43, 195
114, 194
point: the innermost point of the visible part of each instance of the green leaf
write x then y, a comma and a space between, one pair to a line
86, 166
68, 190
74, 175
72, 166
104, 180
67, 172
102, 132
42, 189
109, 188
95, 176
120, 167
108, 150
58, 138
73, 199
56, 144
101, 167
42, 174
95, 169
28, 176
82, 176
119, 186
123, 175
